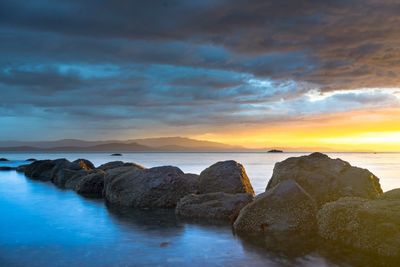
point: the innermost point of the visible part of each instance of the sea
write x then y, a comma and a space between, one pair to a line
42, 225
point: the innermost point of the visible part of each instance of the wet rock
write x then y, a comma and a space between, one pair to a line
116, 155
22, 168
91, 185
7, 168
115, 173
225, 176
40, 170
326, 179
30, 159
83, 164
116, 164
3, 159
372, 226
73, 181
214, 206
285, 208
65, 170
159, 187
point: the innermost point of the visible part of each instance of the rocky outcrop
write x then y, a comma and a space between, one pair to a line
3, 159
91, 185
285, 208
225, 176
214, 206
65, 170
369, 225
115, 173
116, 164
73, 181
159, 187
326, 179
22, 168
40, 170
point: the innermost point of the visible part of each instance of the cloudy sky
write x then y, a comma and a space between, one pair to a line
256, 73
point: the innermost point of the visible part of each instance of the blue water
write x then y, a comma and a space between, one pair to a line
41, 225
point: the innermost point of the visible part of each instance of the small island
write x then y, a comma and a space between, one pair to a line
275, 151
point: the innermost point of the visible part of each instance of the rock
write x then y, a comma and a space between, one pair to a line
372, 226
159, 187
275, 151
215, 206
59, 174
225, 176
7, 168
392, 194
30, 159
22, 168
116, 164
326, 179
40, 170
65, 170
116, 154
112, 174
83, 164
3, 159
91, 185
73, 182
284, 208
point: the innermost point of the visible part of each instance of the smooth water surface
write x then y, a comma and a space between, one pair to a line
41, 225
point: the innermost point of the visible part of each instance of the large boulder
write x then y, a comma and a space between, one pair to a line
116, 164
73, 181
65, 170
91, 185
159, 187
82, 164
40, 170
326, 179
115, 173
285, 208
214, 206
225, 176
372, 226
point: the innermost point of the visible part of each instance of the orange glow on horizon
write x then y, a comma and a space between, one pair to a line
362, 130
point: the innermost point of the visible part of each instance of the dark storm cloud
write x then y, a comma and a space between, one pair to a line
192, 62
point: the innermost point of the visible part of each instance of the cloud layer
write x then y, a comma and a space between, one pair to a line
112, 69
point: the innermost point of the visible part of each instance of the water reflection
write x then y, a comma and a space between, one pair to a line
41, 225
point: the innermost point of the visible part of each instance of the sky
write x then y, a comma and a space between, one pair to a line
293, 73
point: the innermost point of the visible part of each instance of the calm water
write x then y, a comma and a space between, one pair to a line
41, 225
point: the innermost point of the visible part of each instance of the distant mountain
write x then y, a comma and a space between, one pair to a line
182, 142
170, 144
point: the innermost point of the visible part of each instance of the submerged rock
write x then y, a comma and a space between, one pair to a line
285, 208
219, 206
225, 176
7, 168
326, 179
369, 225
3, 159
158, 187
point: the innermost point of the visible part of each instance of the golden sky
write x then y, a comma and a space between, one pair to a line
360, 130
